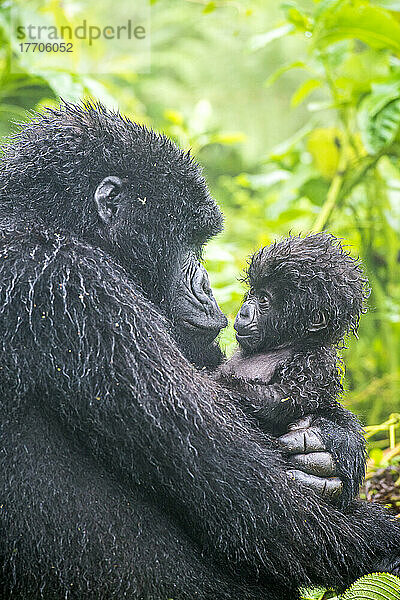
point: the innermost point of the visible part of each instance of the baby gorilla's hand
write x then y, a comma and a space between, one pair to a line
313, 465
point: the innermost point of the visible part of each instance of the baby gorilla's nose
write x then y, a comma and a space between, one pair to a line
245, 317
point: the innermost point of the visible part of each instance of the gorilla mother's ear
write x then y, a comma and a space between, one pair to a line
107, 198
318, 321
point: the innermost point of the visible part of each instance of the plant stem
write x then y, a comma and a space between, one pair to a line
333, 195
337, 192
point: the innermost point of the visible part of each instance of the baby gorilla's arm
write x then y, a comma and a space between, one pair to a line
250, 376
270, 405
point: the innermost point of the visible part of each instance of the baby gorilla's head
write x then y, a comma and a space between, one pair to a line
303, 292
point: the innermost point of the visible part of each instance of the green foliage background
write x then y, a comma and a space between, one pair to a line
294, 112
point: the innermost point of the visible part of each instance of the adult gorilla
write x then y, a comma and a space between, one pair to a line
125, 472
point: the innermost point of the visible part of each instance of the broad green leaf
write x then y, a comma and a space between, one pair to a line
358, 20
387, 123
375, 586
289, 144
10, 114
313, 594
97, 90
304, 90
327, 5
64, 84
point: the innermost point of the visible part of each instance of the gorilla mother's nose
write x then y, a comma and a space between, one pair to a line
245, 316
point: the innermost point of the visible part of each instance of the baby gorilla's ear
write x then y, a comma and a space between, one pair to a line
318, 321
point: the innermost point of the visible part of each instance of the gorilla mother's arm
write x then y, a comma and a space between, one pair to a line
330, 445
82, 345
328, 454
323, 456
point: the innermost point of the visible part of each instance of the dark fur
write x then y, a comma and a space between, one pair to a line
125, 472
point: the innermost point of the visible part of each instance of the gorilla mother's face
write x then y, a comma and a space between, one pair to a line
163, 250
193, 306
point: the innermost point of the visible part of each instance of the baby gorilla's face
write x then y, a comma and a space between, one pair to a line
257, 324
306, 291
275, 316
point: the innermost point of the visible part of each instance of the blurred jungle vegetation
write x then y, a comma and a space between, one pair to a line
294, 112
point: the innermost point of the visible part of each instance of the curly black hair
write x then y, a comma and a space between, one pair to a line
312, 274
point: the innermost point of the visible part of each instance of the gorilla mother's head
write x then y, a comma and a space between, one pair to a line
96, 175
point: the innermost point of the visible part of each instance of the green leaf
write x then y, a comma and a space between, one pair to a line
376, 586
304, 90
281, 150
323, 145
10, 114
358, 71
358, 20
96, 90
64, 84
317, 594
301, 21
228, 138
376, 454
173, 116
297, 64
209, 8
315, 189
379, 117
263, 39
312, 594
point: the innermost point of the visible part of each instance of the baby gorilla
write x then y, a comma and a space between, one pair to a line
305, 296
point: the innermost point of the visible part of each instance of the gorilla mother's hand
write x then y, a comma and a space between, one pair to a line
313, 465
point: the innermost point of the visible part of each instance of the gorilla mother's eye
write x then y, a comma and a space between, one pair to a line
264, 301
